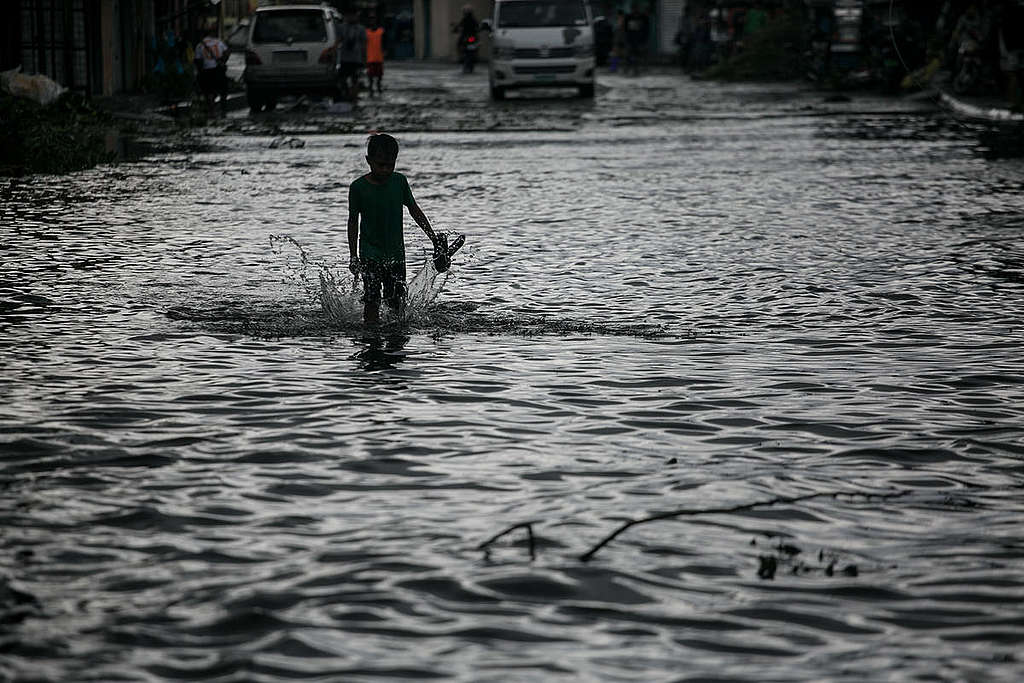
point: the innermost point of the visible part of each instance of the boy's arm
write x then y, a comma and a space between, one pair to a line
353, 242
421, 220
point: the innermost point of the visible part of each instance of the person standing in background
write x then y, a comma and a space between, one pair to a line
618, 41
684, 38
756, 19
211, 59
351, 48
638, 29
375, 54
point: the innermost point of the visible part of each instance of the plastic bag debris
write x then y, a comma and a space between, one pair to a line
38, 88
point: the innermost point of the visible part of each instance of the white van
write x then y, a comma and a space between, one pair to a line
290, 51
541, 43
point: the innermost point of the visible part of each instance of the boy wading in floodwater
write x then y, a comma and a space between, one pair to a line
375, 242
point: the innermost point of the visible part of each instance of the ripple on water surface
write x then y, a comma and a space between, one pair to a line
773, 360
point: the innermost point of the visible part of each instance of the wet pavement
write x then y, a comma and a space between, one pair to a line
431, 96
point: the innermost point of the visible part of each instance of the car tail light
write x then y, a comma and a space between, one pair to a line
251, 58
327, 56
471, 39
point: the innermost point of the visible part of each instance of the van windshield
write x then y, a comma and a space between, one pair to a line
300, 26
535, 13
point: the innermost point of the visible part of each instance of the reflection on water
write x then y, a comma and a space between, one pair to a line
381, 352
991, 140
790, 340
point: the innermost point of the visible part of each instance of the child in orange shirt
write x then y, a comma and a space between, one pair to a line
375, 54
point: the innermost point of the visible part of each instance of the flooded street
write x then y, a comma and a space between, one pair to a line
797, 324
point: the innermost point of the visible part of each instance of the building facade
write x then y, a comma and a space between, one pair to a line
102, 47
93, 47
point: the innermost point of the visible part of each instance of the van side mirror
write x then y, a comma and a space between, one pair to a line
485, 25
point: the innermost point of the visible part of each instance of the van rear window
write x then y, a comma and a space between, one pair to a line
298, 26
537, 13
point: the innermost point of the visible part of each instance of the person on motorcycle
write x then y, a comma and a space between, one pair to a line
467, 28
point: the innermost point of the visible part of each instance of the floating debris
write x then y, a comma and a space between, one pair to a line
768, 566
290, 142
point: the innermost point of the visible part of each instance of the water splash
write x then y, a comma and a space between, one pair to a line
330, 302
339, 293
422, 291
299, 267
340, 301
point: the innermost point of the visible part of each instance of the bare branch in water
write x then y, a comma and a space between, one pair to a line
522, 525
585, 557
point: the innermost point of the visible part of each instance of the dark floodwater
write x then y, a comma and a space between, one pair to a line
684, 297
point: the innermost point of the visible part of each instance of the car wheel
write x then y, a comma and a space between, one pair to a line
497, 92
587, 90
255, 101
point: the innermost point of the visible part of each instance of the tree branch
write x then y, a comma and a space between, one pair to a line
585, 557
522, 525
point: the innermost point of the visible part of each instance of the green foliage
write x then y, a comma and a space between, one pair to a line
66, 136
771, 54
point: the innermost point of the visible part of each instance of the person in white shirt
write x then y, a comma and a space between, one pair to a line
211, 59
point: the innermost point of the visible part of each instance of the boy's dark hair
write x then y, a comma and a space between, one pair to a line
382, 145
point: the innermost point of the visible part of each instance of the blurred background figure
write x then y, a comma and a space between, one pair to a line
351, 48
604, 36
467, 28
1011, 52
374, 55
684, 37
638, 29
618, 41
211, 62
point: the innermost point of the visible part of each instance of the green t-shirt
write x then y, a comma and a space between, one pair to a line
380, 216
755, 21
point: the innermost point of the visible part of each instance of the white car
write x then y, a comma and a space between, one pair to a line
541, 43
290, 51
